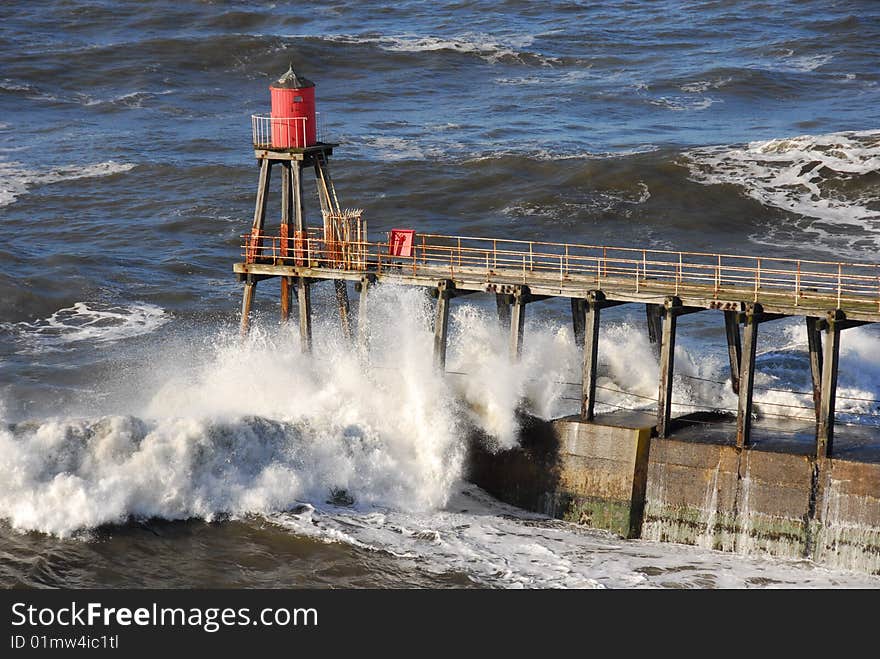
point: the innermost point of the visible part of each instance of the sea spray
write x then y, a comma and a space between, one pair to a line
216, 426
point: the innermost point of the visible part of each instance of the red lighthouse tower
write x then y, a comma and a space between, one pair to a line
288, 138
294, 120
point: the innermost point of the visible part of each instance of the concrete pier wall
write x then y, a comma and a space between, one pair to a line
699, 489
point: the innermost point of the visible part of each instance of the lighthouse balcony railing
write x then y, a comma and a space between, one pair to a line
280, 132
829, 284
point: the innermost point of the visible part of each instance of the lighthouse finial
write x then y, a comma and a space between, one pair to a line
291, 80
290, 76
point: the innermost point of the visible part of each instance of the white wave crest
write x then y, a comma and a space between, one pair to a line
486, 46
90, 322
16, 180
801, 175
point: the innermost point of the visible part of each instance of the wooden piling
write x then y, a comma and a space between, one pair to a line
814, 344
591, 356
262, 195
667, 370
655, 323
517, 322
502, 302
441, 327
734, 347
298, 206
250, 287
287, 224
578, 311
304, 297
286, 294
362, 335
344, 305
830, 362
256, 230
747, 378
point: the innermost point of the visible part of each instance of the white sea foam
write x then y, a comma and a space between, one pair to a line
801, 175
620, 202
16, 180
501, 546
700, 86
684, 103
94, 323
807, 63
397, 148
485, 46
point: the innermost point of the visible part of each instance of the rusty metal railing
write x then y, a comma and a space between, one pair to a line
641, 270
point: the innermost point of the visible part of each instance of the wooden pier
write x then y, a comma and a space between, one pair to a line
749, 291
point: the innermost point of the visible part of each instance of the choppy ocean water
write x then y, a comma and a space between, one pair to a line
126, 180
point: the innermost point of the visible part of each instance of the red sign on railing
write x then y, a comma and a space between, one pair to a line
400, 242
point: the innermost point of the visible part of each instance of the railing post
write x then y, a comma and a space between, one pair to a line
839, 284
757, 280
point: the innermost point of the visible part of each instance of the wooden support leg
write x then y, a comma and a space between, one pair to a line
441, 328
262, 195
591, 359
667, 369
734, 347
287, 226
814, 341
286, 290
344, 308
830, 361
362, 317
517, 325
746, 382
578, 309
298, 209
304, 296
502, 301
250, 287
655, 323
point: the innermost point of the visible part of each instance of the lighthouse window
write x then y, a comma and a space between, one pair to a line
297, 99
